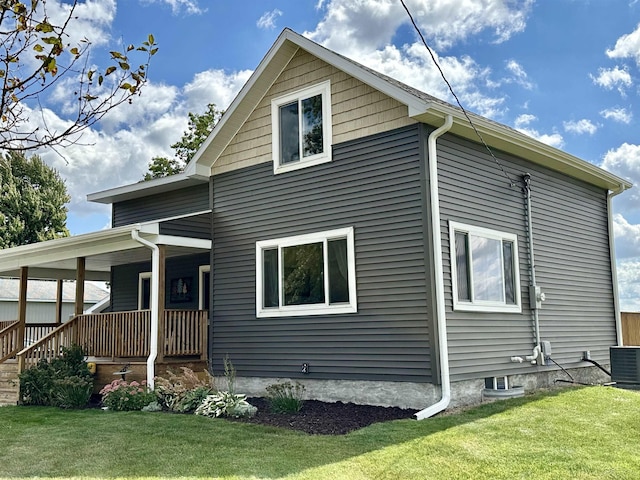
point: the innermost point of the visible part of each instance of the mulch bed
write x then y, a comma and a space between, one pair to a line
324, 418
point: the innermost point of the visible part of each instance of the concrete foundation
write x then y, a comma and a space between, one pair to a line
416, 395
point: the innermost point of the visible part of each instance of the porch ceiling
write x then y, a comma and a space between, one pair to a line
55, 259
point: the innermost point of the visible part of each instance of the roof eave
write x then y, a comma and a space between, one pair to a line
513, 142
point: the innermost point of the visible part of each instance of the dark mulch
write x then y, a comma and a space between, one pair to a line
325, 418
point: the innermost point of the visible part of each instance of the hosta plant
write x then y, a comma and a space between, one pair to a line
226, 404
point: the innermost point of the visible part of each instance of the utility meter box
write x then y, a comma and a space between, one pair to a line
536, 297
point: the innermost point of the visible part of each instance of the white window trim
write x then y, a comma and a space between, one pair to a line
316, 309
141, 277
201, 293
323, 88
479, 305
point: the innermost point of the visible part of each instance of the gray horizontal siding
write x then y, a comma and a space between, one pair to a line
124, 280
195, 226
165, 205
571, 252
373, 184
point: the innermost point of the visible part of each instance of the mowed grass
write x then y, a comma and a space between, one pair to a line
581, 433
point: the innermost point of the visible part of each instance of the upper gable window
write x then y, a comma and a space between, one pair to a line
301, 128
484, 268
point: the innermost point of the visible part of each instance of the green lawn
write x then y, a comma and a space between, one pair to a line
581, 433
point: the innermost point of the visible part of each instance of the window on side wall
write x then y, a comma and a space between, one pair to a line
306, 275
484, 269
301, 128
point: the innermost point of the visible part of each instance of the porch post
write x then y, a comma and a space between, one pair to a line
59, 294
162, 258
80, 275
22, 304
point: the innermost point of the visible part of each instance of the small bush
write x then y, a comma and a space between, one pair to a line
226, 404
71, 392
121, 395
173, 392
285, 397
63, 382
193, 398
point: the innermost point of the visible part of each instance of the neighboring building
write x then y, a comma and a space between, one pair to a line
42, 299
350, 232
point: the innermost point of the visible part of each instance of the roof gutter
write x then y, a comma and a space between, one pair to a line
612, 253
155, 291
441, 319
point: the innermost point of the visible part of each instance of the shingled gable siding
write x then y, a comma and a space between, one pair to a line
572, 262
357, 110
373, 184
165, 205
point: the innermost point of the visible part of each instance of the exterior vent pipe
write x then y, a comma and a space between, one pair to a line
441, 319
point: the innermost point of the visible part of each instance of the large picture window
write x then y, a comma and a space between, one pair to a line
301, 128
306, 275
484, 267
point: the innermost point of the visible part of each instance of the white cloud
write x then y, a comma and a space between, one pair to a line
214, 86
627, 238
119, 152
519, 75
611, 78
629, 284
522, 123
268, 19
190, 7
627, 46
624, 161
581, 126
371, 24
617, 114
524, 120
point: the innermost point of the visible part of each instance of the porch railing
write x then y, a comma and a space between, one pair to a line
122, 335
6, 323
10, 341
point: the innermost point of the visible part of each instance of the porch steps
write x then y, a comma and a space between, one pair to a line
9, 384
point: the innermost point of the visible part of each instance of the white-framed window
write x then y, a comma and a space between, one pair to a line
485, 275
144, 290
312, 274
204, 277
301, 128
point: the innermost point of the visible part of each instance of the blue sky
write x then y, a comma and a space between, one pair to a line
566, 72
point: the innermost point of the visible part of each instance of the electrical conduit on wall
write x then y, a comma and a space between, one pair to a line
441, 319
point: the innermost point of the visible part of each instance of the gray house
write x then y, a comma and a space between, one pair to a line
352, 233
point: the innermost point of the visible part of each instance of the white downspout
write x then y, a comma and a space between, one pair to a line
153, 302
614, 270
441, 319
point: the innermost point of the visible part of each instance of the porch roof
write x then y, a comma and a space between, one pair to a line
115, 246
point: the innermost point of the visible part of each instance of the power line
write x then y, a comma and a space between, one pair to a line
424, 42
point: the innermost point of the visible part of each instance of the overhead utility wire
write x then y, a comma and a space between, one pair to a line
415, 26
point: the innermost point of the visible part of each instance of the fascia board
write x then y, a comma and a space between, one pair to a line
95, 243
268, 70
151, 187
518, 144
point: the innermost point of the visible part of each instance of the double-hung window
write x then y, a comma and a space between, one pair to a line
484, 267
310, 274
301, 128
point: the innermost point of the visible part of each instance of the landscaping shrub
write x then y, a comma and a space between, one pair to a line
64, 382
121, 395
226, 404
179, 392
71, 392
285, 397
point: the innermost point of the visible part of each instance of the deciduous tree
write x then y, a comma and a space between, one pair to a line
199, 128
32, 201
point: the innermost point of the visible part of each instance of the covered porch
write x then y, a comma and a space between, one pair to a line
149, 338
